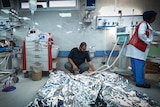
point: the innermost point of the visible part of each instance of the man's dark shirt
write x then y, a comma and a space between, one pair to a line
79, 56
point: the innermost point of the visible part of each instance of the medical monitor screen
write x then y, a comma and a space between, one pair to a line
121, 29
90, 4
6, 3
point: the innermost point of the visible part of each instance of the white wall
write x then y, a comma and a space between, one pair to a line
72, 32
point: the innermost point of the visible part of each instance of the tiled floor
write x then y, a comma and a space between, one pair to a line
153, 79
26, 90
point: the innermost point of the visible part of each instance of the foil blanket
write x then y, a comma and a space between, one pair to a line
105, 89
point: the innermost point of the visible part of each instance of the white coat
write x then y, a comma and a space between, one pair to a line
136, 53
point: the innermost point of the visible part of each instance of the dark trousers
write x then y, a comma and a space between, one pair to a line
82, 68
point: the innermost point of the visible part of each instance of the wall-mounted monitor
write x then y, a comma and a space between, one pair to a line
90, 4
121, 29
6, 4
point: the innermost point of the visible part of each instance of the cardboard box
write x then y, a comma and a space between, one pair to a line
151, 67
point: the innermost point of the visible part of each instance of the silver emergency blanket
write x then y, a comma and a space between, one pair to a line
105, 89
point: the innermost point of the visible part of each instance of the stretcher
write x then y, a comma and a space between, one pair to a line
6, 65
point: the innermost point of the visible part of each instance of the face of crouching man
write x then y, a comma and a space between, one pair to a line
83, 46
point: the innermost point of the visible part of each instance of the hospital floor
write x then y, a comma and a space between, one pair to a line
26, 90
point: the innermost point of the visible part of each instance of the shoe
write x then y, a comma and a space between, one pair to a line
72, 71
145, 85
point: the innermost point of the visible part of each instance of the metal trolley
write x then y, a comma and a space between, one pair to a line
6, 69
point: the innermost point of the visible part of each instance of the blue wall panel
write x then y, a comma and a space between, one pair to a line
99, 53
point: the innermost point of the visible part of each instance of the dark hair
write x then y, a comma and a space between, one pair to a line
83, 44
12, 43
148, 15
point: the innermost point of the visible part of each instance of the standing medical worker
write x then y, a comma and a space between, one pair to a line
138, 47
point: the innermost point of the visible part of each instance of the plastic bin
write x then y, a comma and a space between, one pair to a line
36, 71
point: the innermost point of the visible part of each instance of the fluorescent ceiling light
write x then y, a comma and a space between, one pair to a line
59, 26
65, 14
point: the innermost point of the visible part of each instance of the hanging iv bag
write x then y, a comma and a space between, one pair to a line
32, 6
